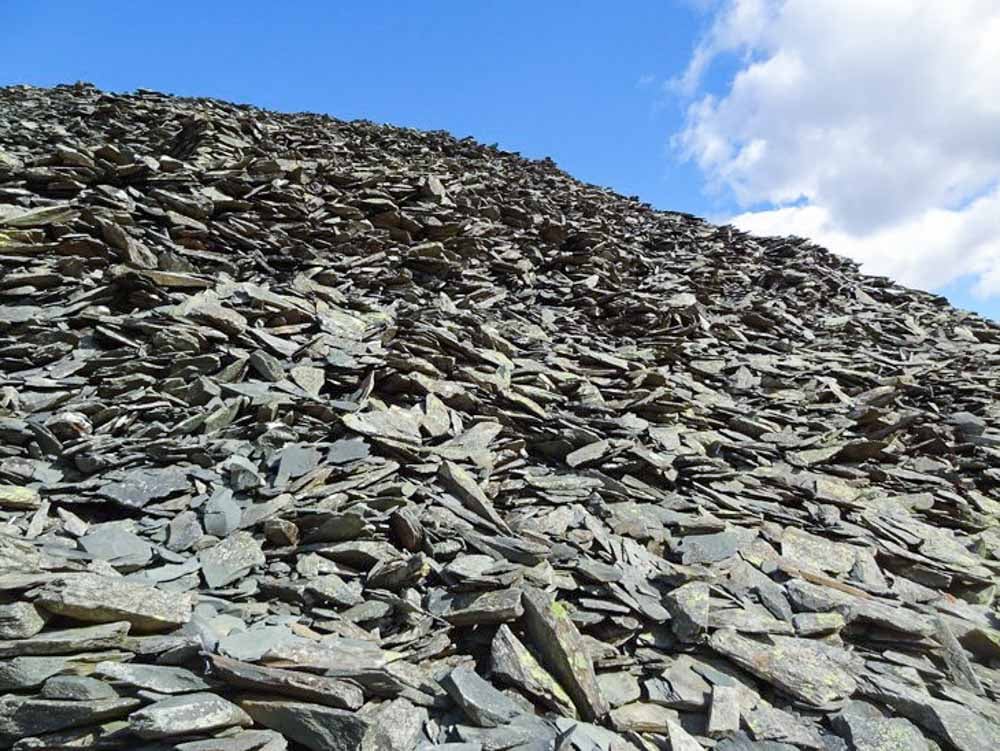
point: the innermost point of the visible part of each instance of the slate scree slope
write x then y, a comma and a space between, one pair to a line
332, 435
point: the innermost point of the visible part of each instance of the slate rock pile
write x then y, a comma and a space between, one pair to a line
333, 435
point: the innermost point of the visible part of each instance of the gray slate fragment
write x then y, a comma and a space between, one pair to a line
104, 599
865, 728
688, 606
68, 641
468, 608
724, 712
512, 663
317, 727
245, 740
19, 673
767, 723
484, 705
222, 514
949, 721
185, 715
643, 717
714, 547
253, 644
29, 716
680, 686
19, 620
296, 683
139, 487
742, 742
230, 559
799, 667
184, 531
163, 679
563, 652
77, 688
959, 668
117, 545
467, 490
619, 688
402, 722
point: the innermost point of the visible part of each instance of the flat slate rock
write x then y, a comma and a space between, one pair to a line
77, 688
316, 688
186, 715
104, 599
484, 705
29, 716
19, 620
230, 559
799, 667
163, 679
68, 641
317, 727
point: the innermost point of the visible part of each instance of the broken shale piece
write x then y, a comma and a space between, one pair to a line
563, 652
484, 705
467, 490
513, 664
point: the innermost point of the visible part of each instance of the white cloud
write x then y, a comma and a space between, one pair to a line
871, 126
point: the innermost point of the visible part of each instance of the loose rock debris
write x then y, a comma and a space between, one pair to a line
329, 435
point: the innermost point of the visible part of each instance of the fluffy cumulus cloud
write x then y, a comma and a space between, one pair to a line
870, 126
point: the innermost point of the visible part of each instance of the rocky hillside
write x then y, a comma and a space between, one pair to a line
332, 435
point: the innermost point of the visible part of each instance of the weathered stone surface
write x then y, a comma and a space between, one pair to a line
799, 667
19, 620
513, 664
19, 673
317, 727
68, 641
768, 724
619, 688
958, 726
222, 514
136, 488
23, 716
484, 705
643, 717
230, 559
724, 712
15, 497
464, 609
186, 715
402, 722
117, 544
102, 599
163, 679
688, 606
315, 688
680, 686
77, 688
562, 650
464, 486
865, 728
244, 740
812, 551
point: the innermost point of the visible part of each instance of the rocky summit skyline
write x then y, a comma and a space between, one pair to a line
321, 434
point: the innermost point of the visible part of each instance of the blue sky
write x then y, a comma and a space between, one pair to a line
582, 82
